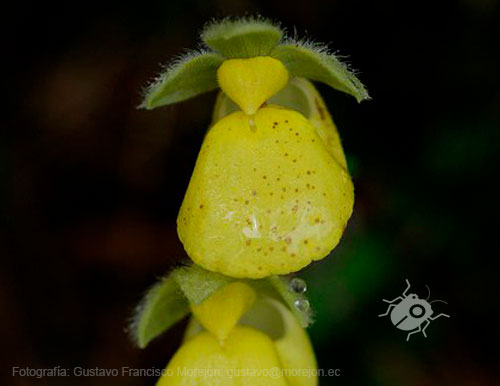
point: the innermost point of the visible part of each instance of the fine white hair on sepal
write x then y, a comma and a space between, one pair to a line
186, 76
134, 320
168, 69
322, 49
317, 61
242, 37
230, 22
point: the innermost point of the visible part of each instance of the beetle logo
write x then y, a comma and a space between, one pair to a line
410, 313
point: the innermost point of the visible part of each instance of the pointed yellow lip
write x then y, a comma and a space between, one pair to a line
251, 82
221, 311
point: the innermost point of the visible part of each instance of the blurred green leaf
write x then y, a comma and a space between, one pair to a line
346, 281
463, 148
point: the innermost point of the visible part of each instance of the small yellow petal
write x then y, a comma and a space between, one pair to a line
221, 311
264, 199
247, 358
322, 120
250, 82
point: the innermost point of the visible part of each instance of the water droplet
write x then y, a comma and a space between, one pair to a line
298, 286
302, 305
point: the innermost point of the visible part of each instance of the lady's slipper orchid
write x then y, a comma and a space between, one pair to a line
270, 191
218, 350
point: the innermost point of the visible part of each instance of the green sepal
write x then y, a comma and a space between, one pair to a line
188, 76
198, 284
169, 300
242, 38
162, 306
314, 62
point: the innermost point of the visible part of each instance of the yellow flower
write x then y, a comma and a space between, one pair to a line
218, 351
270, 191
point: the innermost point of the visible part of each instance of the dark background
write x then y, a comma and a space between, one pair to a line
91, 186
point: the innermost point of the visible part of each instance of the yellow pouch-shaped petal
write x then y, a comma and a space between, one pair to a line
250, 82
247, 358
266, 197
221, 311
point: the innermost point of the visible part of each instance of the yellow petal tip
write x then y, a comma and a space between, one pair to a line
250, 82
221, 311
